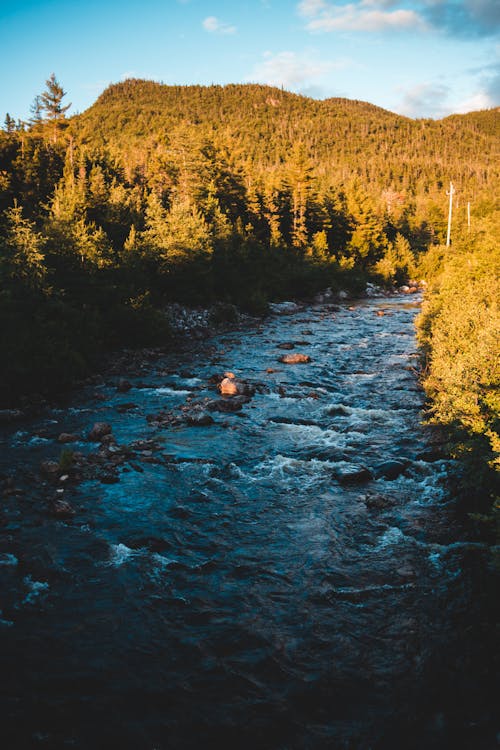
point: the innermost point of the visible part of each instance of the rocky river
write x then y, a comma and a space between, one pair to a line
281, 567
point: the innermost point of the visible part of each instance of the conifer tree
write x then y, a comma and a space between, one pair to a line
23, 248
36, 111
51, 104
10, 124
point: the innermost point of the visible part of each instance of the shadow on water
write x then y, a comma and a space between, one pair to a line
239, 583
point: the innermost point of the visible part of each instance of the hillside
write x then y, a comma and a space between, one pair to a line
235, 194
259, 125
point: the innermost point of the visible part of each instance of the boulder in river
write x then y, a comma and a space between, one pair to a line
99, 431
67, 437
286, 345
226, 406
390, 469
230, 385
295, 359
199, 419
353, 475
123, 385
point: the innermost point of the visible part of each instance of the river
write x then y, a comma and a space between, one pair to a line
237, 584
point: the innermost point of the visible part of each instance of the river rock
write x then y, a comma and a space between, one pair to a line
99, 431
431, 455
226, 406
49, 468
230, 385
295, 359
200, 419
68, 437
109, 477
353, 475
286, 345
375, 501
62, 509
122, 408
390, 469
123, 385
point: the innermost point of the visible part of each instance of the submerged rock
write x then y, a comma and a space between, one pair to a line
295, 359
379, 502
99, 431
123, 385
200, 419
62, 509
68, 437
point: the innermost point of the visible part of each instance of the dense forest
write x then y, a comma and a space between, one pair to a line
240, 194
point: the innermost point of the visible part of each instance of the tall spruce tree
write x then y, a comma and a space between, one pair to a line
51, 104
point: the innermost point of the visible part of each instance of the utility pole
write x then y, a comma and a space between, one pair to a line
451, 193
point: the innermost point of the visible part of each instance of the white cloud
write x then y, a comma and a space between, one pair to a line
461, 18
425, 100
311, 7
214, 26
480, 100
292, 70
366, 15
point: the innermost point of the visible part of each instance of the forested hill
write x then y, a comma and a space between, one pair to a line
259, 125
234, 194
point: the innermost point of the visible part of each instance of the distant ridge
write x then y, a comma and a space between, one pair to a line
259, 125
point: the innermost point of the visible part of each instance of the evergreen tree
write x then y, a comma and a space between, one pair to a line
10, 124
51, 104
36, 110
23, 256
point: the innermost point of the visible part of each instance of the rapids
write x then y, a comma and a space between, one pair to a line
235, 588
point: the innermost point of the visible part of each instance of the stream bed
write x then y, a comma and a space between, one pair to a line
290, 575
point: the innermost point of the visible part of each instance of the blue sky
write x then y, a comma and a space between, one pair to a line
422, 58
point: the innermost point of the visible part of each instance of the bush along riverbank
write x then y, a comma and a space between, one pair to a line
459, 333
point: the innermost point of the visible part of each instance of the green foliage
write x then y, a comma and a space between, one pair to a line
398, 263
236, 194
459, 330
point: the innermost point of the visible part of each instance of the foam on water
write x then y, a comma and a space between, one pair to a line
166, 391
8, 559
36, 590
119, 554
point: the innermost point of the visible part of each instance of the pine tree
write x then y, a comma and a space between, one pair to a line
36, 109
10, 124
51, 104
